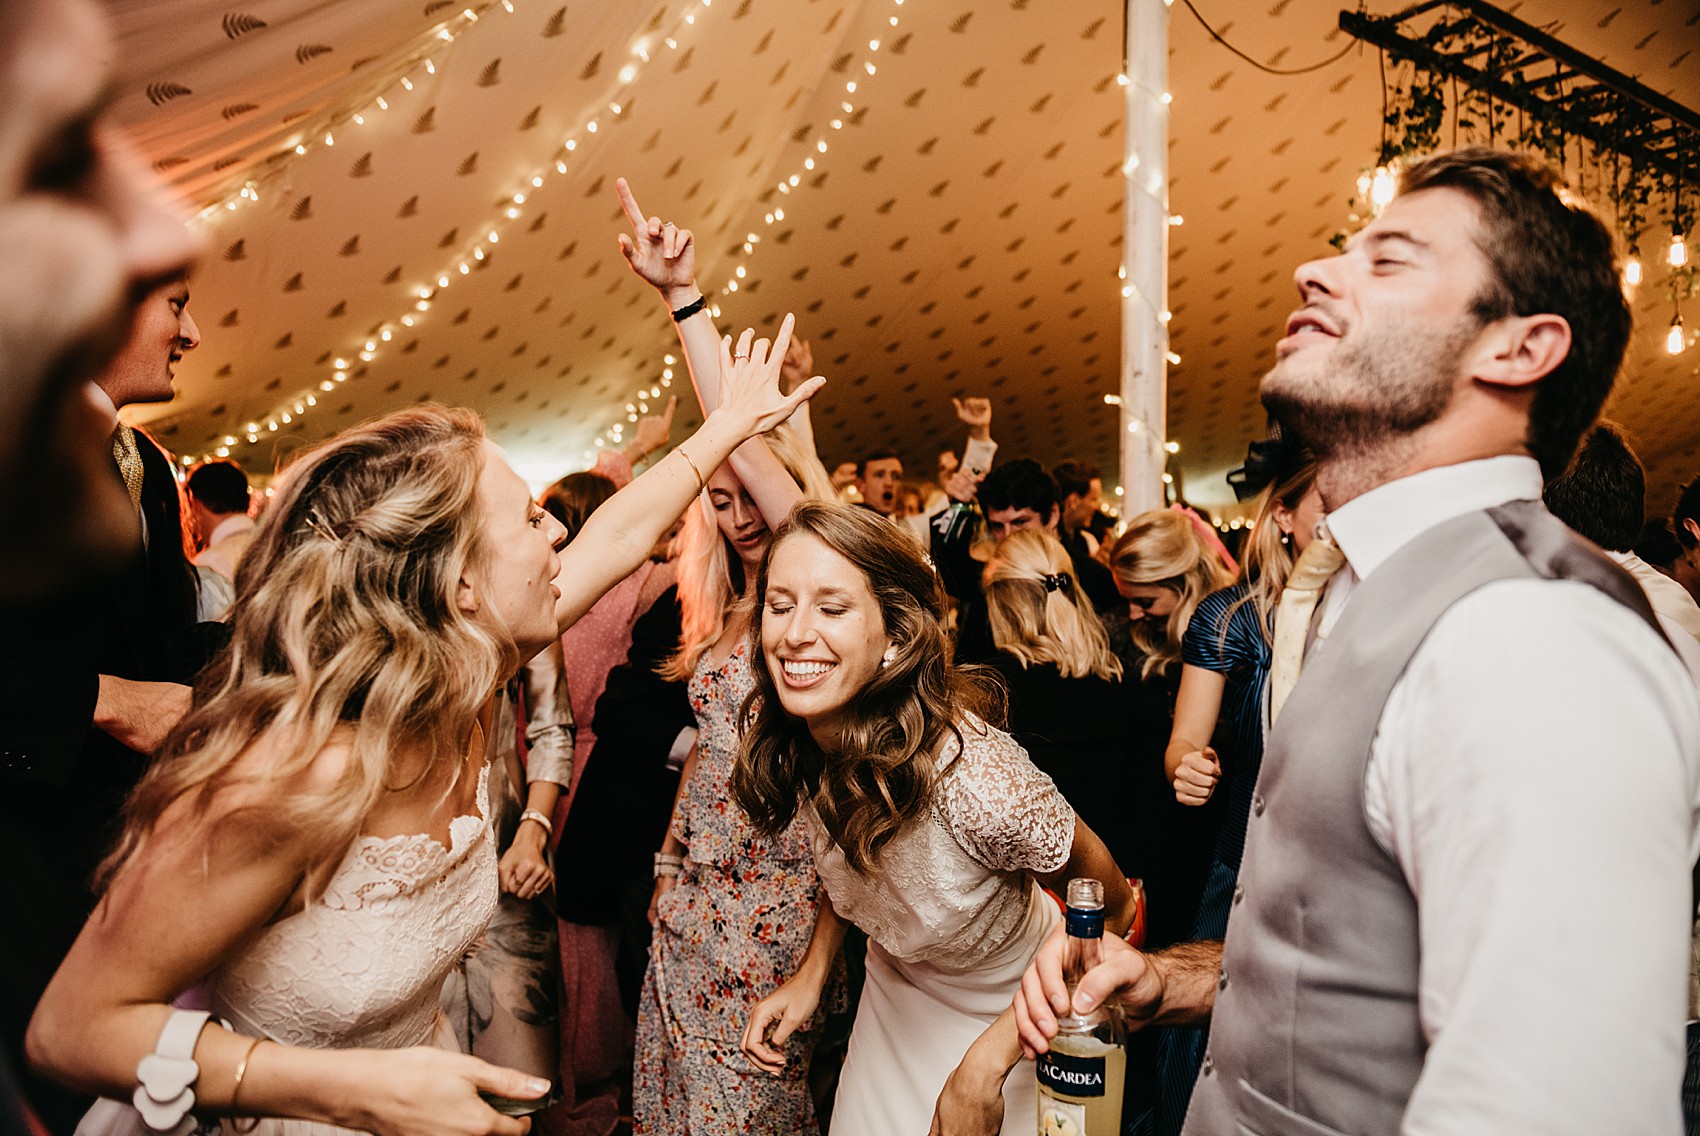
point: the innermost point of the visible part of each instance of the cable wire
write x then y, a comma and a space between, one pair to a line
1215, 35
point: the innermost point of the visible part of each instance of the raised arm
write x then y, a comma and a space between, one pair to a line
618, 536
171, 918
664, 256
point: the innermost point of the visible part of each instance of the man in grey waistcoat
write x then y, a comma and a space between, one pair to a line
1465, 900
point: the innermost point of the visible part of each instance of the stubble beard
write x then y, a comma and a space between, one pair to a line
1371, 395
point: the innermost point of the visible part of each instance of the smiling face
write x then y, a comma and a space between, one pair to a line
1377, 349
86, 233
161, 332
739, 520
521, 542
822, 632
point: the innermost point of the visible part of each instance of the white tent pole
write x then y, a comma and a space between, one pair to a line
1145, 257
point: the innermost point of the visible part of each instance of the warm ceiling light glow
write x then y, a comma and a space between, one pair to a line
1678, 251
1675, 341
1632, 271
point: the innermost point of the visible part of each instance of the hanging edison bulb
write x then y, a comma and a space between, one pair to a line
1678, 250
1632, 269
1676, 340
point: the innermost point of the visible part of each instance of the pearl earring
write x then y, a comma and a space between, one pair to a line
890, 654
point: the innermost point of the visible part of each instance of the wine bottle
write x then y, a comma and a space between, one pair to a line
1080, 1078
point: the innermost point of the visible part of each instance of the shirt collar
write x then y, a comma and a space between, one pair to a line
1372, 527
233, 525
103, 403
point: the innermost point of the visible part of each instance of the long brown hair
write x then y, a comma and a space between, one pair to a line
882, 773
345, 616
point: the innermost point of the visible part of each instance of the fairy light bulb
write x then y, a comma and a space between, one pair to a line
1632, 270
1675, 341
1381, 187
1678, 250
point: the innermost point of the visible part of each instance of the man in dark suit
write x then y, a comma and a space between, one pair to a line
91, 681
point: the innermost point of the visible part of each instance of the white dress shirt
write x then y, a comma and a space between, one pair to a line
1536, 775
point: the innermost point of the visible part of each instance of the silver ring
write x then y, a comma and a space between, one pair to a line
668, 225
735, 358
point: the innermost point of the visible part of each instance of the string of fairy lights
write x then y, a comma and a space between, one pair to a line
644, 50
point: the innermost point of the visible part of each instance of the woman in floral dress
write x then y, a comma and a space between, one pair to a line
733, 910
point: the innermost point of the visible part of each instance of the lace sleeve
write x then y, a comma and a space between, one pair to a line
1001, 808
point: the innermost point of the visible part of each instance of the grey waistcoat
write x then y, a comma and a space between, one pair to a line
1315, 1028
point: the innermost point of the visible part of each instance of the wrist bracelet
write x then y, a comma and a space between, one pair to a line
253, 1122
680, 450
667, 871
533, 814
680, 315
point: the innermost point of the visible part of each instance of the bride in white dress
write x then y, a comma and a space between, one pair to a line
313, 849
932, 829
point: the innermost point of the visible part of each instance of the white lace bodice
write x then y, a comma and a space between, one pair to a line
362, 965
952, 887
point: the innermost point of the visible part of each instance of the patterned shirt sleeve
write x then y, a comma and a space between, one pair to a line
1003, 811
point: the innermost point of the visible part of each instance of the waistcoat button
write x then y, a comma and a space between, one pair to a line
1239, 892
1209, 1067
1257, 804
1222, 981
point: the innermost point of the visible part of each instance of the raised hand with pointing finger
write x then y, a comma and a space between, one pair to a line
659, 251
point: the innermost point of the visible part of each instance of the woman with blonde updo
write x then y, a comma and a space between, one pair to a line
1067, 703
313, 847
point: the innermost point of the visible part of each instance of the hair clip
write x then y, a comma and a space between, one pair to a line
321, 527
1059, 582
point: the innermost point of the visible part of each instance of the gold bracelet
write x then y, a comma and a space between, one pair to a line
680, 450
236, 1090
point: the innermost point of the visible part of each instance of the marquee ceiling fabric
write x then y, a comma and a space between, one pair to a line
958, 234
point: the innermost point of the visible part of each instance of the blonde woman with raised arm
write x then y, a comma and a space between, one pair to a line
313, 848
732, 907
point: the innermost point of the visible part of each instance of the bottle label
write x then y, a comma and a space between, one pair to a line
1071, 1076
1061, 1118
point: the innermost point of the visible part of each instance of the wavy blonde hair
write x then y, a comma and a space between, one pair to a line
884, 768
1162, 549
711, 577
345, 616
1037, 623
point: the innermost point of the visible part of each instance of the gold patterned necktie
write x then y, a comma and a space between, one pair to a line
1321, 559
129, 460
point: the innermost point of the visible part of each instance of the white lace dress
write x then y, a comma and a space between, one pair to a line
362, 965
953, 916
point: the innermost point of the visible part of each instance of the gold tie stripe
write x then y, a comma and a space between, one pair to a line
1321, 559
129, 460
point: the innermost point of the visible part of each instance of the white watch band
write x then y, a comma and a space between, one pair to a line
166, 1077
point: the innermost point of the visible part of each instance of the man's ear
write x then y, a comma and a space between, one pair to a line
1051, 521
1519, 351
1692, 526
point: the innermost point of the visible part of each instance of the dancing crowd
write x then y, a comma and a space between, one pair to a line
735, 796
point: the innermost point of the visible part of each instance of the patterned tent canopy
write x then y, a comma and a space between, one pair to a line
409, 200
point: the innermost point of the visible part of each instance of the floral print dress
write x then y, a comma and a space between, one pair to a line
734, 927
